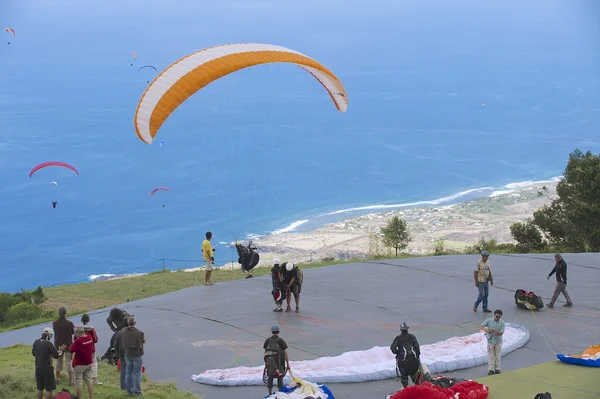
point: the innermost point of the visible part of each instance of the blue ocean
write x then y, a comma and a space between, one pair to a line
445, 97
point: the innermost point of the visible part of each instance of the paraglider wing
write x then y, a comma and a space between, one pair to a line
159, 189
11, 30
188, 75
134, 55
53, 182
53, 163
589, 357
148, 66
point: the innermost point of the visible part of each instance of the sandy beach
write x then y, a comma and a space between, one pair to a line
459, 225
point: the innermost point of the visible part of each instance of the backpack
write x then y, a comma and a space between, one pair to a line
273, 344
543, 396
406, 351
64, 394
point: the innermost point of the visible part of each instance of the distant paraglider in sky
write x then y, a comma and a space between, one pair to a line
148, 66
52, 163
9, 30
134, 56
188, 75
159, 189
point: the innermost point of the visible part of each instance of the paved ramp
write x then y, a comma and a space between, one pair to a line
352, 307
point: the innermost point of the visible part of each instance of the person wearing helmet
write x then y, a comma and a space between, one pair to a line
278, 291
290, 280
276, 359
44, 350
483, 275
408, 353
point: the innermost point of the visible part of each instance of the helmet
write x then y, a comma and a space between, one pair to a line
485, 253
275, 261
404, 326
274, 328
289, 266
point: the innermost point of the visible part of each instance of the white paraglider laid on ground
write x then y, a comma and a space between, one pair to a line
377, 363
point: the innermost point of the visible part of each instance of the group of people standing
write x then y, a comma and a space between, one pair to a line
74, 349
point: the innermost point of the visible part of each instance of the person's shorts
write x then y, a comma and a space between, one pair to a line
95, 366
82, 374
44, 379
209, 264
65, 357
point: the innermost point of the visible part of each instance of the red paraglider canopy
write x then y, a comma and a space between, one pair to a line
53, 163
464, 389
159, 189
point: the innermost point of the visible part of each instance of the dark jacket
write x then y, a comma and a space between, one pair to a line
561, 271
405, 345
133, 340
44, 351
63, 331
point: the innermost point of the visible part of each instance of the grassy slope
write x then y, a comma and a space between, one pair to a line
17, 379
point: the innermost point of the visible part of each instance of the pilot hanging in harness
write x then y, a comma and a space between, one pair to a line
248, 258
407, 351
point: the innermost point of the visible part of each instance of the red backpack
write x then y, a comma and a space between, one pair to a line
64, 394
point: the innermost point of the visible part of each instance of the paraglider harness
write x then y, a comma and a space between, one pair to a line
405, 354
528, 300
248, 257
116, 321
273, 354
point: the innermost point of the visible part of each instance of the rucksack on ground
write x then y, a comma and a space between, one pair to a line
64, 394
543, 396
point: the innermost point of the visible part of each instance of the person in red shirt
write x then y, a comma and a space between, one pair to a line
82, 349
89, 330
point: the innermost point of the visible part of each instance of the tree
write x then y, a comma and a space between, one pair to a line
395, 234
527, 236
571, 220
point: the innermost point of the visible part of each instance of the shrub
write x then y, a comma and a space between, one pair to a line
23, 312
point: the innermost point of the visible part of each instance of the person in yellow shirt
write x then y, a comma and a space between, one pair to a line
209, 260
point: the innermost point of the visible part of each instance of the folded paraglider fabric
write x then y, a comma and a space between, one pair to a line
462, 390
589, 358
302, 389
377, 363
528, 300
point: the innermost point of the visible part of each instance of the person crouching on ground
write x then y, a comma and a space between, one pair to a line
82, 349
43, 350
483, 275
91, 331
290, 280
494, 329
408, 353
133, 340
277, 281
276, 359
63, 335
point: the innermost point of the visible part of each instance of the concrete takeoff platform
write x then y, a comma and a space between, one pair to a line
355, 307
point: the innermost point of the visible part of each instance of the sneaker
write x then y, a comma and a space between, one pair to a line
297, 309
497, 371
491, 372
474, 308
486, 310
288, 309
549, 306
568, 305
276, 310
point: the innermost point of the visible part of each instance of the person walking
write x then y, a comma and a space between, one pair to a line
209, 260
560, 268
494, 329
408, 353
276, 359
64, 330
483, 275
133, 340
43, 350
82, 350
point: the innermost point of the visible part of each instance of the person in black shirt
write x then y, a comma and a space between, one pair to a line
408, 354
561, 281
43, 350
289, 272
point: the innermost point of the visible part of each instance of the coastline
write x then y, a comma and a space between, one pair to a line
459, 225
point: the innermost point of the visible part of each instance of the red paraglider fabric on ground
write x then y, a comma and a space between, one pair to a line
460, 390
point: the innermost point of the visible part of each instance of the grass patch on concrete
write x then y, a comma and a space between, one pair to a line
17, 379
